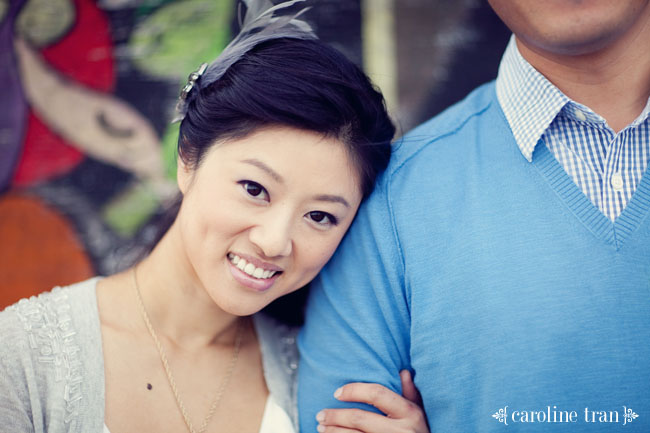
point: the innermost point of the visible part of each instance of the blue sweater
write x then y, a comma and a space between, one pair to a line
495, 280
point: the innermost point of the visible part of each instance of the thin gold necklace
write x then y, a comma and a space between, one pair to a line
170, 376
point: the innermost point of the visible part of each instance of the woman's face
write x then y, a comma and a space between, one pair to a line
263, 214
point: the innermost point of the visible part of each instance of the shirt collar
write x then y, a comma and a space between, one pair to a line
529, 101
643, 116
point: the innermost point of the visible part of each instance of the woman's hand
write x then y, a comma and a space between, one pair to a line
404, 412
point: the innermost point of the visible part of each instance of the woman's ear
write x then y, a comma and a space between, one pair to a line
183, 175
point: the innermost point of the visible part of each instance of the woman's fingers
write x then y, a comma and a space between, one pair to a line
351, 420
335, 429
402, 414
387, 401
409, 391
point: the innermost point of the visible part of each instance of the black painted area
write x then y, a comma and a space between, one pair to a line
472, 64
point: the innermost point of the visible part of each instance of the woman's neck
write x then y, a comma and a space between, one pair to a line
178, 306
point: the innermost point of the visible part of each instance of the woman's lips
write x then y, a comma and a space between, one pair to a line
236, 257
251, 276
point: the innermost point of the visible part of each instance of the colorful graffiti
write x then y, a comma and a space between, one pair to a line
86, 161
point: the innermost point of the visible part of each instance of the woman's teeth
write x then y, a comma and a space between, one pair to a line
250, 268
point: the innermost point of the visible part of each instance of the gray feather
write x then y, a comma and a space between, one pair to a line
263, 22
254, 8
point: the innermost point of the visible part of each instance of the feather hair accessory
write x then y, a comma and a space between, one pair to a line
262, 22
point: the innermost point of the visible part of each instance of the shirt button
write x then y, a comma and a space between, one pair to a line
580, 115
617, 181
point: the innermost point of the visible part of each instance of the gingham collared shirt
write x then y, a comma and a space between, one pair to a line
607, 166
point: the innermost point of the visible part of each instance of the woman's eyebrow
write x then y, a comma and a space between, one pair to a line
333, 199
259, 164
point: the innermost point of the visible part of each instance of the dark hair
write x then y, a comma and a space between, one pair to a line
299, 83
292, 82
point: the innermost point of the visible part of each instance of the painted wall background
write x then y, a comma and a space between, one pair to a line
86, 148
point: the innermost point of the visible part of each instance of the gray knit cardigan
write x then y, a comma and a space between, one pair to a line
52, 366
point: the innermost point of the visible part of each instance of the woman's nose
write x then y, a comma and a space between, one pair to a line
272, 235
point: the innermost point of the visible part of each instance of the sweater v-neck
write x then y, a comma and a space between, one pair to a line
614, 233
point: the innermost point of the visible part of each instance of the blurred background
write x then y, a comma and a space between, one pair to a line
87, 151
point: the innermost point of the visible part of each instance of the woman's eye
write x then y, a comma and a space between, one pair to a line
322, 218
255, 190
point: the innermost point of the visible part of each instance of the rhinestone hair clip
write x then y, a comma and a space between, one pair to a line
263, 22
191, 81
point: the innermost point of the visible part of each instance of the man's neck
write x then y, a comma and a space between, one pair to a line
614, 82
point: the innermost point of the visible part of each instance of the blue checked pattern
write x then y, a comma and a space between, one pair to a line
606, 166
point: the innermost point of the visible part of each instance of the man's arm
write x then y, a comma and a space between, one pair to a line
357, 327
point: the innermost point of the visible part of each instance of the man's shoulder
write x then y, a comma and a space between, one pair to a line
443, 132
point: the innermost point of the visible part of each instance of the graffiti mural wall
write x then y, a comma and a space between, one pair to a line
87, 150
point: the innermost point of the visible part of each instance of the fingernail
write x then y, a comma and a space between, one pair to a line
320, 416
338, 392
320, 428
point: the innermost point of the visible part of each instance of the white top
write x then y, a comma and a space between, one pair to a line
274, 420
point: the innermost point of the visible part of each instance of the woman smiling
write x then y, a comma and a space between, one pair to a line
262, 214
281, 139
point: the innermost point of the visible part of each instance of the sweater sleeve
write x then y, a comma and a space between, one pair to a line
357, 319
15, 406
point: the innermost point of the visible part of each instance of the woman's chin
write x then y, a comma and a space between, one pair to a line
238, 306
